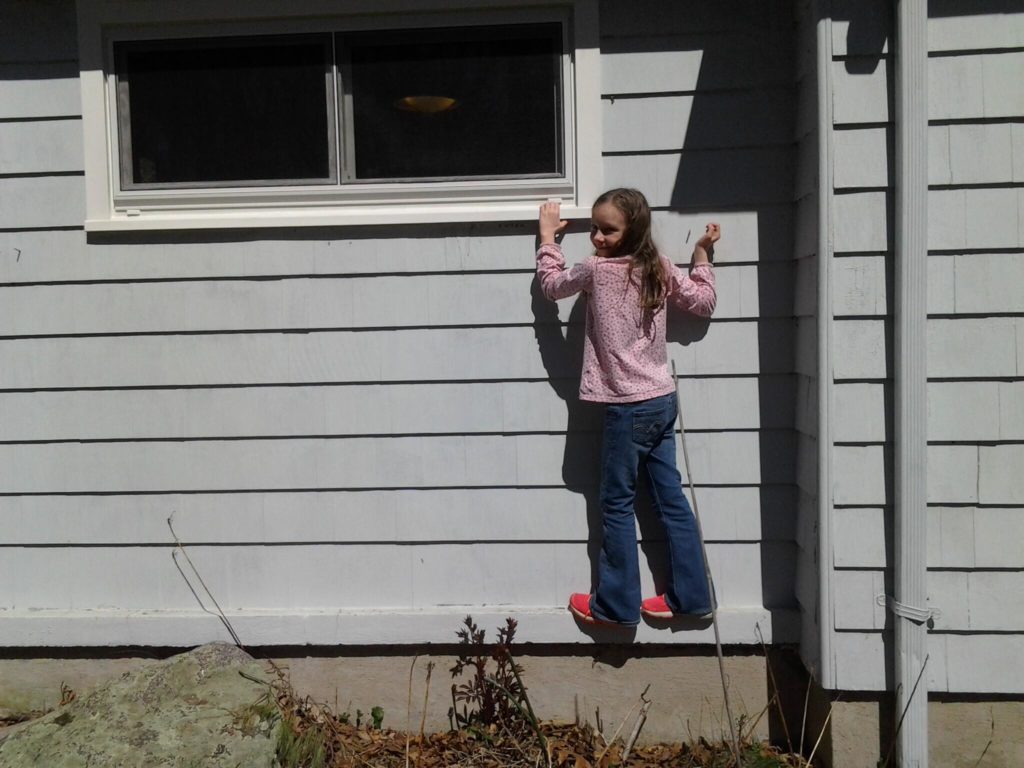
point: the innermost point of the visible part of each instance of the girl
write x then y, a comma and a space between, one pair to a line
625, 366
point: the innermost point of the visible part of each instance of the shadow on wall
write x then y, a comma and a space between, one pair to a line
731, 157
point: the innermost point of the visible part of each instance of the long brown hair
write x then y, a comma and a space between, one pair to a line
638, 244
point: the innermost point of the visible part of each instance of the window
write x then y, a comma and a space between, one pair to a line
227, 122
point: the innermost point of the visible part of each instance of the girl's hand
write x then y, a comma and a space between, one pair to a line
712, 234
550, 222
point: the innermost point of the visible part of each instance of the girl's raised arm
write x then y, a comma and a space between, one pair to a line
695, 292
555, 281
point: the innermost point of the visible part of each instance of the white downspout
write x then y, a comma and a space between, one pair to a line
910, 382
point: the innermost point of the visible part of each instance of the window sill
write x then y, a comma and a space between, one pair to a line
323, 217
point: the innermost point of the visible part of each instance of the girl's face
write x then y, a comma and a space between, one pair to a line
607, 229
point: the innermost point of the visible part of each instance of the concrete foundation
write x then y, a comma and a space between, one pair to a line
600, 686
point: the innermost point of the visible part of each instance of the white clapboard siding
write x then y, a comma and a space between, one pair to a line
958, 537
709, 404
41, 201
733, 458
697, 121
859, 412
748, 236
956, 474
871, 20
40, 90
806, 417
975, 85
723, 177
682, 63
969, 347
980, 601
860, 222
975, 218
37, 30
977, 283
860, 97
41, 146
636, 18
350, 356
975, 537
307, 303
949, 29
952, 662
324, 576
860, 158
738, 513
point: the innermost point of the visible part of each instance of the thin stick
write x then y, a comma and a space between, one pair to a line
637, 726
906, 708
824, 726
408, 711
220, 613
803, 723
423, 715
707, 569
609, 742
776, 695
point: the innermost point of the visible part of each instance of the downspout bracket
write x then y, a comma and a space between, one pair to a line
912, 613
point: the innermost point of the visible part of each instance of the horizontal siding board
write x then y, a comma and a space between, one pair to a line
860, 222
1000, 479
353, 357
985, 601
733, 458
952, 667
636, 18
700, 121
860, 97
310, 303
862, 474
41, 201
41, 146
749, 236
860, 27
861, 158
959, 537
375, 409
745, 513
975, 85
691, 62
977, 283
727, 177
322, 576
950, 29
957, 347
859, 413
40, 90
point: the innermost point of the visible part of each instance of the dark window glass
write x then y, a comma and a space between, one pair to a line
458, 102
225, 110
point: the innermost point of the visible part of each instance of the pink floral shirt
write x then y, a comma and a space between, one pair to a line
624, 355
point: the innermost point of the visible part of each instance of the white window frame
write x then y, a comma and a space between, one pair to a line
108, 208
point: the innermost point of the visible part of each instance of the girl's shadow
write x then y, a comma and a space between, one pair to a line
562, 356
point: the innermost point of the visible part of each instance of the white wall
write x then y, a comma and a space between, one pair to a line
362, 435
976, 234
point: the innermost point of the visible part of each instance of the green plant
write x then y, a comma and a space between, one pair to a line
486, 699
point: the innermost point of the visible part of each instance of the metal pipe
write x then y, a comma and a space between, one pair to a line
910, 382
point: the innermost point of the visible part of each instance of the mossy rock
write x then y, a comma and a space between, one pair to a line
195, 710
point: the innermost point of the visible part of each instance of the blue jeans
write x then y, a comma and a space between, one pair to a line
641, 437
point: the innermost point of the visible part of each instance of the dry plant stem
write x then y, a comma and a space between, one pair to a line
637, 726
803, 723
707, 569
220, 612
527, 716
408, 711
776, 695
608, 743
824, 726
423, 715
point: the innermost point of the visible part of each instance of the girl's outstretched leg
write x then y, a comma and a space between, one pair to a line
617, 597
687, 589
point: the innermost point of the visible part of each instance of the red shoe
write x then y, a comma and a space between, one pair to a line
579, 604
658, 608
